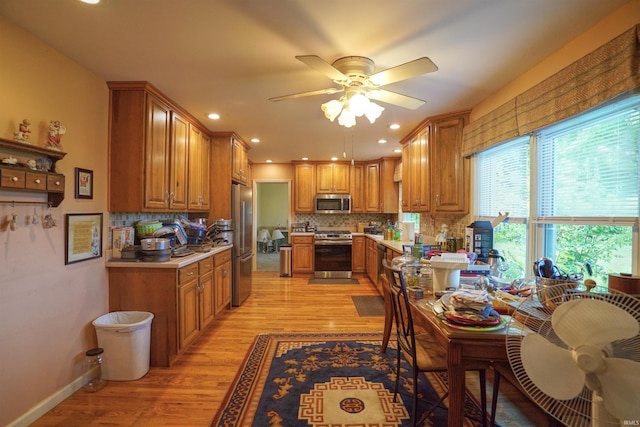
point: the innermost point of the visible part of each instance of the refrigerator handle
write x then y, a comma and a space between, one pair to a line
242, 209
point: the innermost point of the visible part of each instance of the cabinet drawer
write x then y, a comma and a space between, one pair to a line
188, 273
223, 257
302, 240
36, 181
206, 265
12, 178
55, 183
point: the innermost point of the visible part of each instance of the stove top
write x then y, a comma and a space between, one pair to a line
332, 234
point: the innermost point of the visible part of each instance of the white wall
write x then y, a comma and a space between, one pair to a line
46, 307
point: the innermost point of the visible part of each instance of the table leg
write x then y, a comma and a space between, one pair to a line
456, 373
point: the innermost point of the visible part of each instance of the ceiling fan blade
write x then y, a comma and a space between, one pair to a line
328, 91
322, 66
405, 71
395, 98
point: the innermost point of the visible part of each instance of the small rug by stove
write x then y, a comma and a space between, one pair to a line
335, 379
333, 282
369, 305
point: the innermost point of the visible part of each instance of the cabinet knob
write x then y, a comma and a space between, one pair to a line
37, 181
57, 183
437, 200
14, 178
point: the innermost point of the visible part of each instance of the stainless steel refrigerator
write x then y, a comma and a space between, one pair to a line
242, 216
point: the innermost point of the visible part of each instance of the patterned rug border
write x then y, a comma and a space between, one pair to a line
249, 371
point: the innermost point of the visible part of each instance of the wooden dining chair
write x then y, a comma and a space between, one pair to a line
421, 350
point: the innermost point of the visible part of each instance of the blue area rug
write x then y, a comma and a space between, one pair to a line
340, 379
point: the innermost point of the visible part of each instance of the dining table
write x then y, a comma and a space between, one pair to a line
462, 347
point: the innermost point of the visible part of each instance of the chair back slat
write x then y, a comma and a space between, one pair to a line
401, 310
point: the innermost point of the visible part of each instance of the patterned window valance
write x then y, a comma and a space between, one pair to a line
603, 74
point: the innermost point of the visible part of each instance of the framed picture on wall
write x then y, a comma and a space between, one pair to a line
83, 237
84, 183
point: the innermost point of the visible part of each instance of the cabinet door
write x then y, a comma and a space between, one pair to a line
341, 175
420, 177
406, 177
302, 254
304, 188
240, 162
357, 188
178, 176
448, 172
358, 264
156, 176
199, 153
207, 300
188, 313
324, 178
372, 187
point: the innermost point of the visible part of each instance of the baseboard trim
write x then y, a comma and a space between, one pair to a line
46, 405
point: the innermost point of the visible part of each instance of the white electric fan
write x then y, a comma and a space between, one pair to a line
577, 355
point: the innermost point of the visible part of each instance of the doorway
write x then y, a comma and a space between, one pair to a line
271, 221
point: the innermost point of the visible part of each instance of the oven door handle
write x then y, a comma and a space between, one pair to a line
332, 242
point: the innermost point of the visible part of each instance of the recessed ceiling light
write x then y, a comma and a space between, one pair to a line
397, 150
305, 158
394, 126
90, 1
269, 161
334, 158
255, 140
214, 116
382, 141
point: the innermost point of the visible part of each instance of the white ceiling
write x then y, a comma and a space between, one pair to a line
231, 56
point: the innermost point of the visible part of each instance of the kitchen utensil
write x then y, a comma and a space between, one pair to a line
155, 243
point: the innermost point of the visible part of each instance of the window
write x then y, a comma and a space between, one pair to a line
585, 175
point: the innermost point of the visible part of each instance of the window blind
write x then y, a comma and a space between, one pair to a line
589, 166
503, 179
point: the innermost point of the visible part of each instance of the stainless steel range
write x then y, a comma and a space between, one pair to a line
332, 254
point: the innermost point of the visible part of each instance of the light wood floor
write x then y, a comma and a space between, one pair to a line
190, 392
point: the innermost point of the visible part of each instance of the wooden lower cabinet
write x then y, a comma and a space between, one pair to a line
184, 301
358, 260
222, 281
302, 254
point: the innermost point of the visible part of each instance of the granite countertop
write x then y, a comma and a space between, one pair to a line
172, 263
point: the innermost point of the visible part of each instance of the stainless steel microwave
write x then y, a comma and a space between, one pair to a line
333, 203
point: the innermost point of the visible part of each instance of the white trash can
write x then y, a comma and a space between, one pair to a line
125, 337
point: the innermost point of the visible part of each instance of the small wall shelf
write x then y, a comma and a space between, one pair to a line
20, 177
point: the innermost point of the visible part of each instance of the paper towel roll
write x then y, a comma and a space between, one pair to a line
408, 231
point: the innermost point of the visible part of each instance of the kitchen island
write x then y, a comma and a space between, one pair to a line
185, 295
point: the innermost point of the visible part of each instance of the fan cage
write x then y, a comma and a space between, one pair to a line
534, 316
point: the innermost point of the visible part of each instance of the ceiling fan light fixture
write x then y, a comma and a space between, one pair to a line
358, 104
332, 109
347, 118
373, 111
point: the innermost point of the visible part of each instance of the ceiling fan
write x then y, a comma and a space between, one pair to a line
354, 76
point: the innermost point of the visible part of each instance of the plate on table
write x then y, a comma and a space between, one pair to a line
469, 328
442, 304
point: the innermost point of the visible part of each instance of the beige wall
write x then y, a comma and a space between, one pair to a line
46, 307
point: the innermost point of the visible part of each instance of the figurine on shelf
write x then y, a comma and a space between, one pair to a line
24, 133
56, 130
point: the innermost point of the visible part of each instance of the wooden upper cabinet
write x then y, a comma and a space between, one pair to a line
372, 187
389, 191
156, 165
357, 188
178, 155
450, 180
240, 159
304, 187
332, 178
149, 151
199, 167
435, 176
